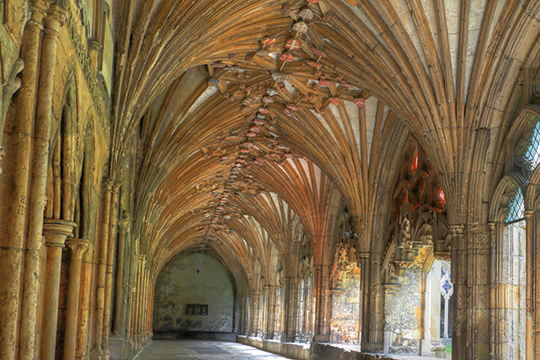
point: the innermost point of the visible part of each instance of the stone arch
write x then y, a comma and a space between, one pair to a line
503, 194
65, 164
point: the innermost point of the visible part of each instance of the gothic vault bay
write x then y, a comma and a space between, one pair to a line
321, 179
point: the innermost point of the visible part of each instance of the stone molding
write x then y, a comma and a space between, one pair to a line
56, 231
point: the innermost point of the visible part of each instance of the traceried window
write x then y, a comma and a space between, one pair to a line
516, 208
532, 155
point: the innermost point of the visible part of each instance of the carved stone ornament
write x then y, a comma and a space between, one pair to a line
78, 247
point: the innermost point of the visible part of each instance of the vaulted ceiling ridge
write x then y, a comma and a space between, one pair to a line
160, 41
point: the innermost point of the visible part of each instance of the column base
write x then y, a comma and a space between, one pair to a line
372, 347
321, 338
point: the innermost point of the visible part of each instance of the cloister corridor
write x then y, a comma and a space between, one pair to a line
270, 179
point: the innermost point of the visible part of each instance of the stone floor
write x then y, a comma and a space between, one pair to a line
218, 350
397, 357
202, 350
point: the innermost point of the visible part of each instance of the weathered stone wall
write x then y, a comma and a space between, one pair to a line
193, 279
346, 305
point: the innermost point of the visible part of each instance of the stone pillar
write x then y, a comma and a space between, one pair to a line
52, 22
285, 310
97, 350
78, 248
376, 305
14, 201
495, 291
254, 297
109, 272
459, 278
293, 308
271, 311
146, 302
327, 303
310, 305
85, 302
364, 298
139, 302
535, 292
531, 284
322, 293
123, 232
478, 279
55, 231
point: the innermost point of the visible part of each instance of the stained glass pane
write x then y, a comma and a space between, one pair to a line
532, 155
517, 207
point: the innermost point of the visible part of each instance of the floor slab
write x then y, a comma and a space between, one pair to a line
203, 350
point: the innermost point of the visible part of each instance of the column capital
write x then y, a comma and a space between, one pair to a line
457, 229
39, 8
78, 247
528, 214
364, 255
56, 17
56, 231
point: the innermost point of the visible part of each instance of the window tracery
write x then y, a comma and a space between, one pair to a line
447, 287
516, 208
532, 154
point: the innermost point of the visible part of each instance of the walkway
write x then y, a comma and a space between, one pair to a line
356, 348
203, 350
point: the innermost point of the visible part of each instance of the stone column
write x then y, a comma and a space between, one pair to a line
254, 297
535, 291
123, 231
146, 317
364, 298
55, 231
139, 302
285, 309
85, 302
327, 297
459, 278
271, 318
52, 22
478, 280
376, 305
110, 260
321, 329
14, 200
530, 324
310, 306
97, 350
495, 291
293, 308
78, 248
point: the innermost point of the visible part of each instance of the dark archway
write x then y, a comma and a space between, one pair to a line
194, 297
